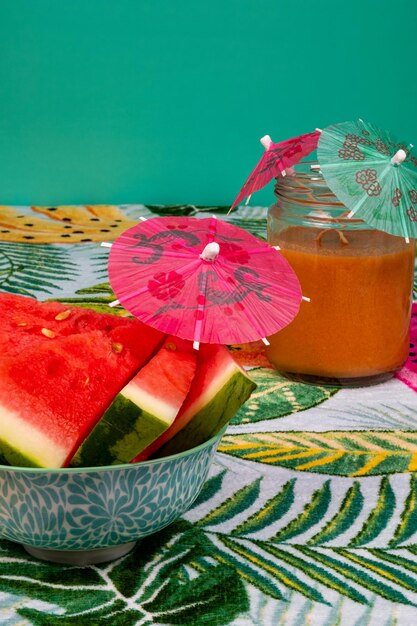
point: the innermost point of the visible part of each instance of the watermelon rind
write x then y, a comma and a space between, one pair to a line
214, 409
111, 443
41, 450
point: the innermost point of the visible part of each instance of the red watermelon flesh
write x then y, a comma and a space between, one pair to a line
26, 322
168, 375
54, 389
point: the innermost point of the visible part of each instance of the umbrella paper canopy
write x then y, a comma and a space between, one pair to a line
373, 174
275, 160
203, 280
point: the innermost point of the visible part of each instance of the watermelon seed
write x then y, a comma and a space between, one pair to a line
63, 315
87, 380
48, 333
117, 347
171, 347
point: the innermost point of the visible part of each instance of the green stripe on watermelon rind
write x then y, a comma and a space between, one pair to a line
12, 456
217, 412
24, 444
124, 430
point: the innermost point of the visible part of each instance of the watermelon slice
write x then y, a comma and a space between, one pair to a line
57, 380
26, 322
220, 387
144, 408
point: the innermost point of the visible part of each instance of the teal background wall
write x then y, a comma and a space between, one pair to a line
126, 101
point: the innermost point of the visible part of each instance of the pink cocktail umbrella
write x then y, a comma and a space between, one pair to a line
277, 158
203, 279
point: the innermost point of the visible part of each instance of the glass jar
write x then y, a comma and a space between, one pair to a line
355, 329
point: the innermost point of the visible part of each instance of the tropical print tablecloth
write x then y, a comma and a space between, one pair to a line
309, 514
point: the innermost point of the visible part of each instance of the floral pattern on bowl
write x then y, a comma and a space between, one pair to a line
96, 508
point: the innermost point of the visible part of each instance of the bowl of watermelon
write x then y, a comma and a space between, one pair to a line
108, 428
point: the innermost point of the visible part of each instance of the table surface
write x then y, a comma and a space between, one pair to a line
309, 514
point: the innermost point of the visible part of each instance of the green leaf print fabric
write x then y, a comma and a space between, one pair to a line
308, 515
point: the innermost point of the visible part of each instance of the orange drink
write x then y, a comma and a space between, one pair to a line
355, 328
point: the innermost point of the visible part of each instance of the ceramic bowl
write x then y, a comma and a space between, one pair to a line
90, 515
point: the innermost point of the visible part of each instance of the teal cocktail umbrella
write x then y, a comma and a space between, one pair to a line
372, 174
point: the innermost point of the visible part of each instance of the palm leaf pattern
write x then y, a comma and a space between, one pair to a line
309, 514
386, 573
185, 568
356, 573
276, 396
26, 271
342, 453
97, 297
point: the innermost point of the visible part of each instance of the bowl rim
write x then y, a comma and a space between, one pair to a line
107, 468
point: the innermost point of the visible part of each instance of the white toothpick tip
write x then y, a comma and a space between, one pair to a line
266, 342
114, 303
306, 299
283, 173
350, 214
210, 252
399, 157
247, 200
407, 240
266, 141
315, 167
276, 247
106, 244
196, 345
143, 219
319, 130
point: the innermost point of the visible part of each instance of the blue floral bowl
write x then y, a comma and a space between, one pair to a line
90, 515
